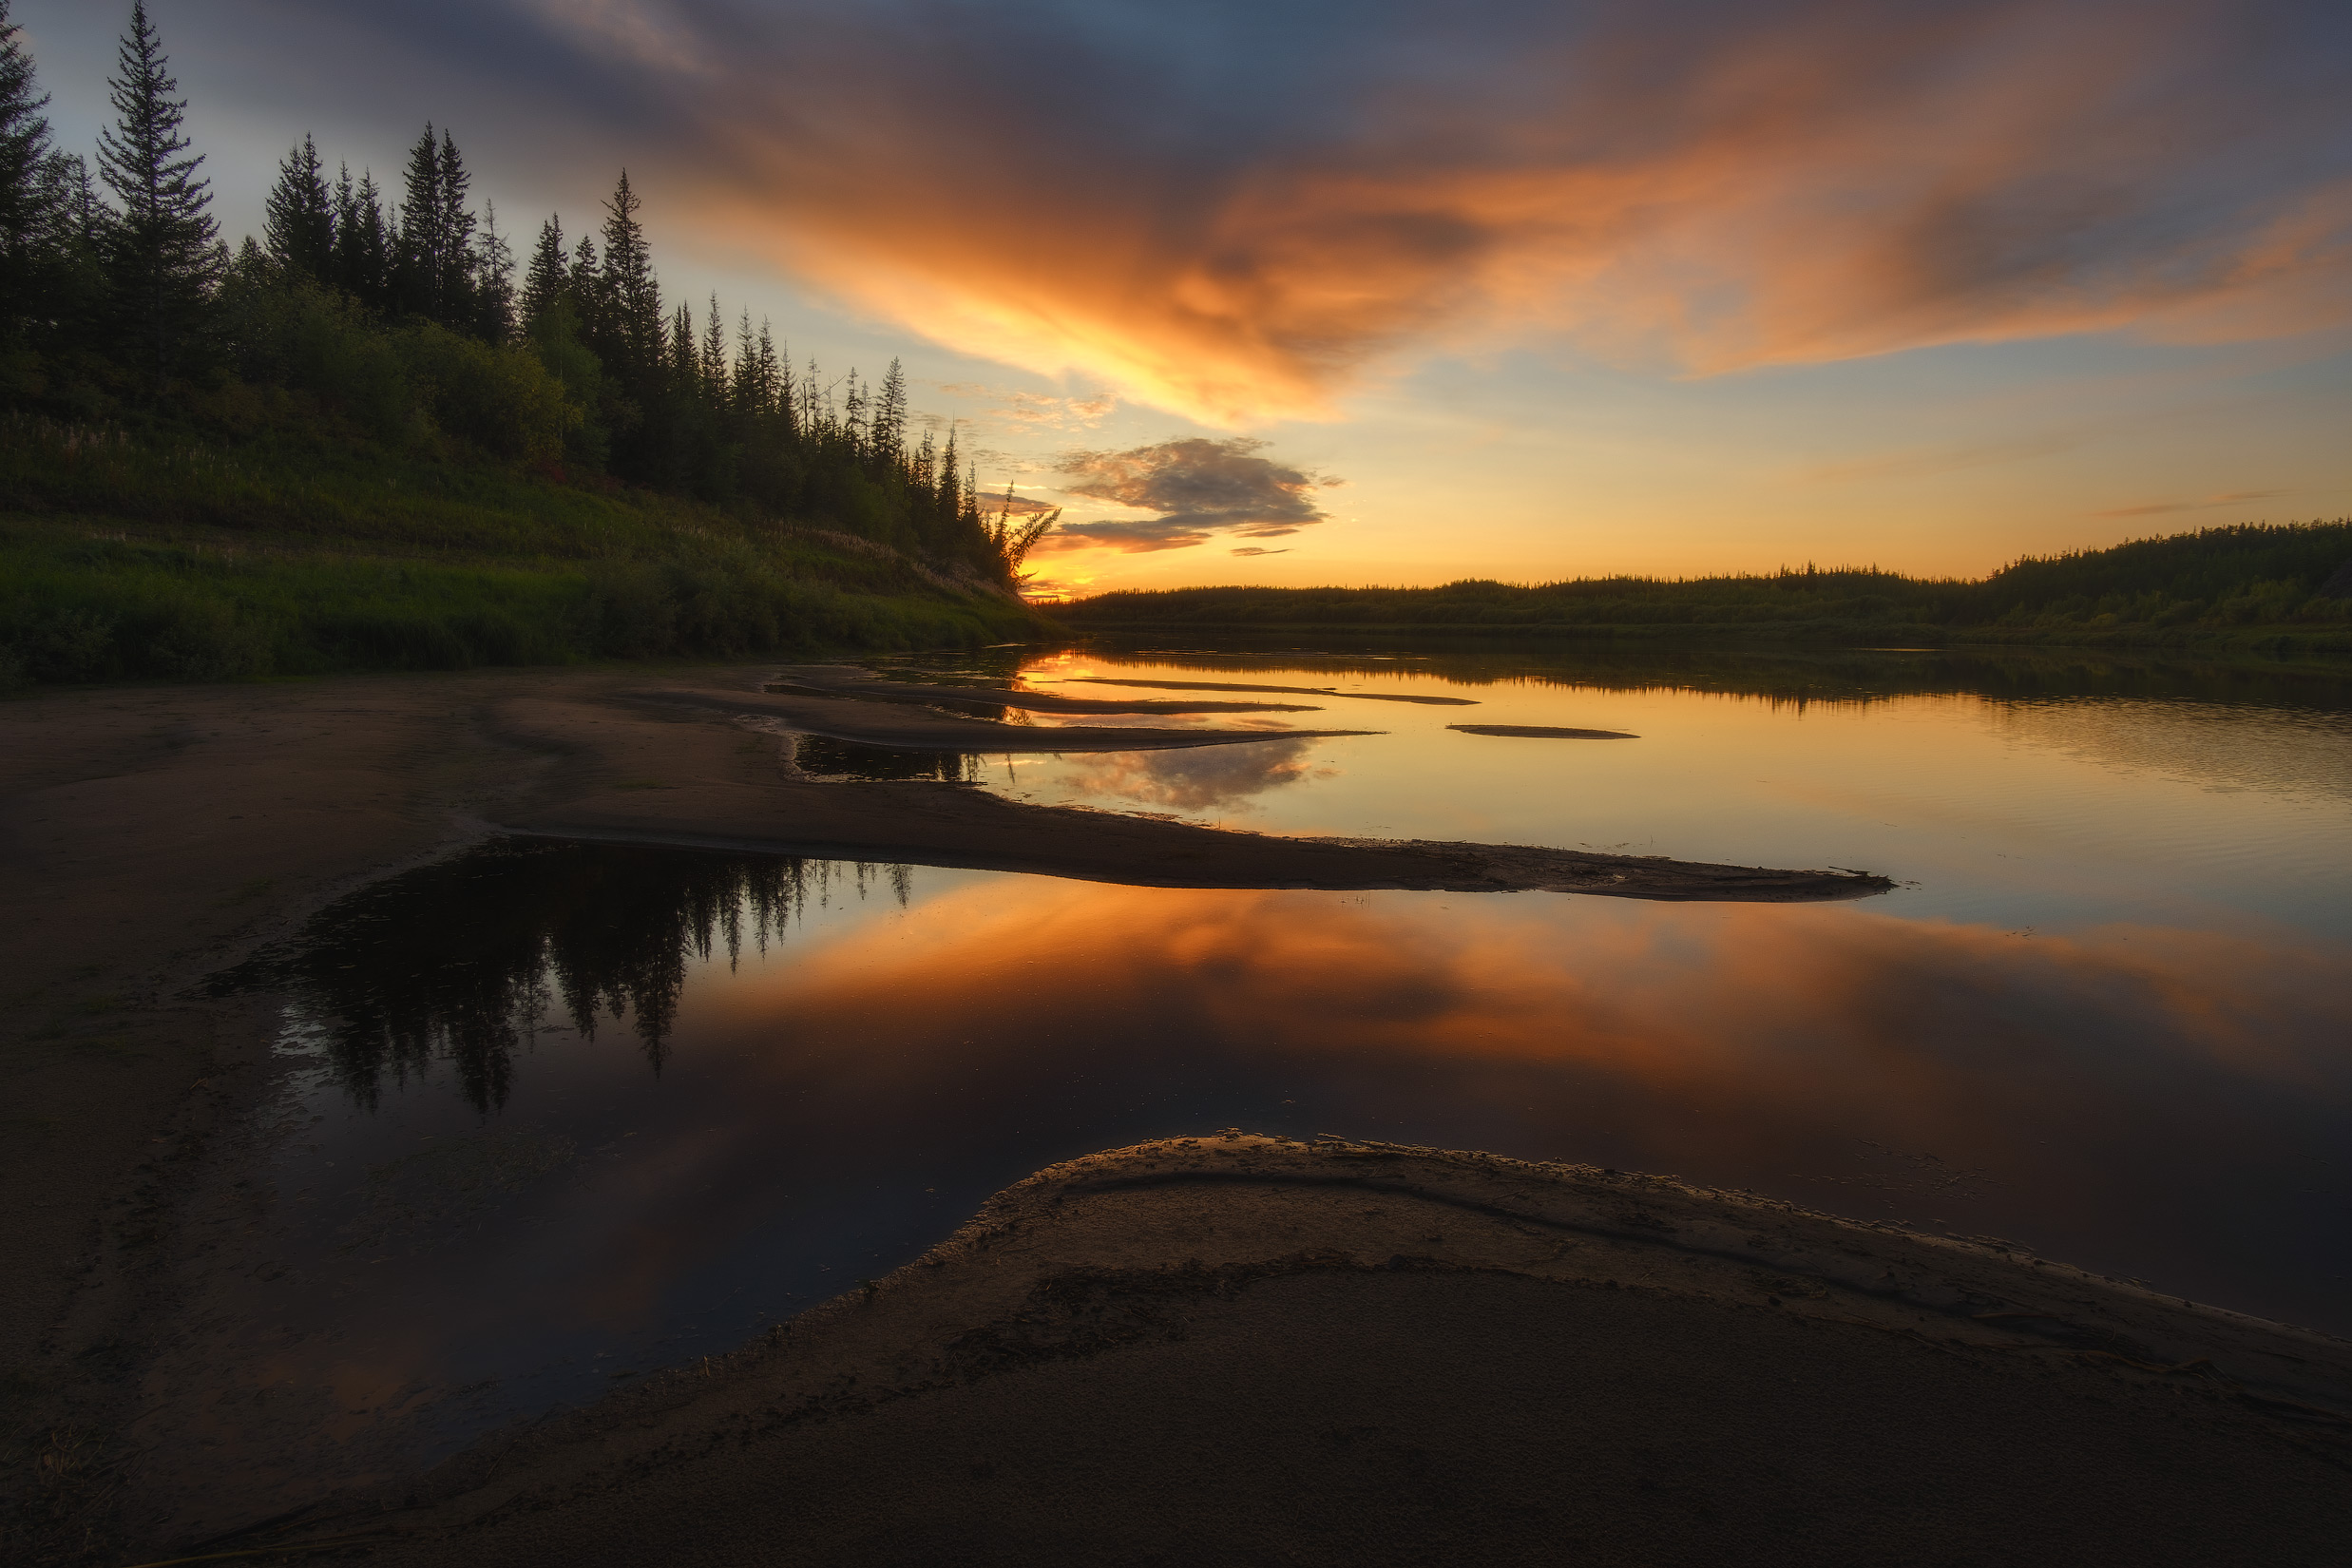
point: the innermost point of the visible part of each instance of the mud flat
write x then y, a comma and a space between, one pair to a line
1247, 1350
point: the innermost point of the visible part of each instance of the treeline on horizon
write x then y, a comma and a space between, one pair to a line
2285, 586
371, 341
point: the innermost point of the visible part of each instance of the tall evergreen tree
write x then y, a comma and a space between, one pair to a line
27, 186
298, 219
418, 257
853, 415
161, 247
493, 281
886, 441
548, 279
715, 358
459, 263
775, 382
685, 364
362, 244
633, 327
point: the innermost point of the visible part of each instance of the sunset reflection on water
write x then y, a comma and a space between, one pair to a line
573, 1112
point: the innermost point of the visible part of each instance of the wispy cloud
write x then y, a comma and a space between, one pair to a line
1258, 549
1199, 486
1012, 409
2154, 509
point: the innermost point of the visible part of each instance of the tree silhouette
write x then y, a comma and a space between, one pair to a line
161, 251
548, 277
299, 218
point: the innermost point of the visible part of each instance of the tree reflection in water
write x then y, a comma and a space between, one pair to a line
464, 960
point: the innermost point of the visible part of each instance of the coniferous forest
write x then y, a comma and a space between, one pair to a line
381, 434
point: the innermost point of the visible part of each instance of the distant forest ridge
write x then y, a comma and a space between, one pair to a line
2286, 586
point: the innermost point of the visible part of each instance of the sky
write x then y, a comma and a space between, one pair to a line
1383, 293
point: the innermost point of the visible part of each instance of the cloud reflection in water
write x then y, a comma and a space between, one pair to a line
1193, 780
2139, 1099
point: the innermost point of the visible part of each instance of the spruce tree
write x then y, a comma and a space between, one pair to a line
547, 280
775, 382
161, 247
886, 442
685, 364
715, 358
457, 261
27, 186
634, 331
492, 280
945, 501
299, 218
418, 257
362, 246
587, 290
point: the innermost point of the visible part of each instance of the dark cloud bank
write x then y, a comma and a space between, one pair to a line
1202, 487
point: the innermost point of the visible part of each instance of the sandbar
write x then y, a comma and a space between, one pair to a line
1296, 691
851, 681
1542, 732
1238, 1349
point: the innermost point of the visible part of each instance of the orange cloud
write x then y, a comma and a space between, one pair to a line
1755, 186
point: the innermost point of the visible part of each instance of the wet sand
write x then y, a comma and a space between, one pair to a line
1243, 1349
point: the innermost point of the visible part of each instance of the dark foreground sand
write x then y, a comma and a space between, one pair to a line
1236, 1350
1224, 1351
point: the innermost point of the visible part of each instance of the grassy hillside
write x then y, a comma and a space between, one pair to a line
2254, 587
193, 553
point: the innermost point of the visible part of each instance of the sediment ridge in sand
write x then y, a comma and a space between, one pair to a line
1245, 1348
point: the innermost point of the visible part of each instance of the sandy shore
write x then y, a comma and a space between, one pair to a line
1245, 1349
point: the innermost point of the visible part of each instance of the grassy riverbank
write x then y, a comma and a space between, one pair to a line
2279, 590
200, 556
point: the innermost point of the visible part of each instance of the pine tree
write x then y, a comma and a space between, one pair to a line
299, 222
633, 328
160, 248
27, 188
587, 291
458, 264
362, 245
886, 443
421, 257
493, 281
715, 358
775, 382
685, 364
853, 415
548, 280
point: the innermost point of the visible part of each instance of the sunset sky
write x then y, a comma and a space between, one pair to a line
1380, 293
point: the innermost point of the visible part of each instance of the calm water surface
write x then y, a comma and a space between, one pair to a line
562, 1114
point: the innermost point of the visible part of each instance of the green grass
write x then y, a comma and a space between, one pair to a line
2277, 590
124, 555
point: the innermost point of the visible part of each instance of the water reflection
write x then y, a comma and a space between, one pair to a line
464, 960
851, 761
575, 1111
1199, 779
